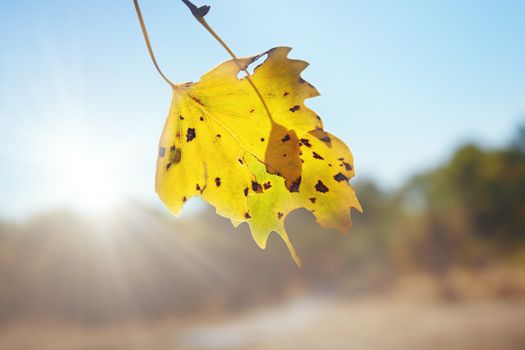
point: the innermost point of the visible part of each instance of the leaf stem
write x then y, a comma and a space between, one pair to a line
148, 44
199, 13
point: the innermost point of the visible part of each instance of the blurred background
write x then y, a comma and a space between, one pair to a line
430, 97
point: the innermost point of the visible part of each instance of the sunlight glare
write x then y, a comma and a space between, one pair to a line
86, 181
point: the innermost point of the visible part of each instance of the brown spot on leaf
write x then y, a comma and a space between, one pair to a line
286, 93
341, 159
246, 190
168, 166
283, 157
295, 185
295, 108
312, 199
347, 166
267, 185
252, 110
326, 139
306, 142
262, 139
218, 135
240, 161
256, 187
175, 155
218, 181
197, 100
247, 215
201, 118
280, 215
181, 117
172, 148
321, 187
301, 81
340, 177
190, 134
317, 156
286, 138
198, 188
184, 199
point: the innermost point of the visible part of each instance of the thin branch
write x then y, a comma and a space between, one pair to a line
148, 44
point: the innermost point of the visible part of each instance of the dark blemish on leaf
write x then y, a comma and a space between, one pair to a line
340, 177
240, 161
184, 199
312, 199
218, 181
190, 135
201, 118
302, 161
175, 155
317, 156
197, 100
295, 108
178, 134
267, 185
252, 110
181, 117
219, 135
162, 152
347, 166
301, 81
300, 152
341, 159
326, 139
246, 192
295, 185
329, 164
284, 155
306, 142
286, 138
247, 215
172, 148
256, 187
286, 93
320, 187
198, 188
280, 215
262, 139
168, 166
318, 117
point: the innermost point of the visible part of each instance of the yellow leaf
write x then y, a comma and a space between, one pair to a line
324, 190
252, 149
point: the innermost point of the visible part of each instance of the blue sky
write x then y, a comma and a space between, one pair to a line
402, 82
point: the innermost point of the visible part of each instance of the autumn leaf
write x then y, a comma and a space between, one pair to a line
251, 148
214, 123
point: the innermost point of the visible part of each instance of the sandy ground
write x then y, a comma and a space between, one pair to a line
369, 324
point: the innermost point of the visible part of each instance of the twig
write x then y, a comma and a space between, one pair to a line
148, 44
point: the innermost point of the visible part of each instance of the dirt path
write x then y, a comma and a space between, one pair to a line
373, 324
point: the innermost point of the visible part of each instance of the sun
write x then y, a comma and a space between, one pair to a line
86, 180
